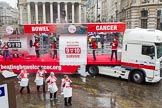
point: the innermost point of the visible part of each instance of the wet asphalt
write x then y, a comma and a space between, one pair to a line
95, 92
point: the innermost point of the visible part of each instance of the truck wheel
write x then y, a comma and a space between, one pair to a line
138, 77
93, 70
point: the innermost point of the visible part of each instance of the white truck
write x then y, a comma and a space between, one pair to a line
141, 57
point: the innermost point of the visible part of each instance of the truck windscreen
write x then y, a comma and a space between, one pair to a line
159, 49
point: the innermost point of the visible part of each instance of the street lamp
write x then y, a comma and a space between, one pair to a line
98, 16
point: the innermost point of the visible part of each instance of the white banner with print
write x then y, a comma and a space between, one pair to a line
4, 96
73, 49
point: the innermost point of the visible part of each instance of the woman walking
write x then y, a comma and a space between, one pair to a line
52, 87
67, 90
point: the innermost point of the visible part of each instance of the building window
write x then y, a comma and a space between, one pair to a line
158, 19
144, 13
143, 23
159, 12
145, 1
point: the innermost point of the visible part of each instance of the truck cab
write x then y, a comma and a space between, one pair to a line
142, 54
141, 57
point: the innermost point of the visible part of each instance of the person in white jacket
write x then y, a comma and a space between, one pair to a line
52, 87
67, 90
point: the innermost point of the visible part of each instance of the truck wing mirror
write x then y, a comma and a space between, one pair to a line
152, 56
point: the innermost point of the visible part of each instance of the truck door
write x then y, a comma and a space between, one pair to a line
148, 59
140, 57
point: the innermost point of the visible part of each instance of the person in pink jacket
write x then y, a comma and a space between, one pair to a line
52, 87
67, 90
23, 76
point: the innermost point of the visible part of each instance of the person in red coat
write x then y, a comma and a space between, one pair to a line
54, 50
94, 46
114, 46
36, 45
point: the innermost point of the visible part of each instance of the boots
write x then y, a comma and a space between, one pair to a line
69, 101
38, 88
65, 101
21, 90
28, 89
55, 95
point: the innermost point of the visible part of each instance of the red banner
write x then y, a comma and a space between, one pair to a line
106, 27
40, 28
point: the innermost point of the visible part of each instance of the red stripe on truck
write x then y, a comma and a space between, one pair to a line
138, 66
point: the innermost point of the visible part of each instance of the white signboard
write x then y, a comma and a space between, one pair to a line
19, 43
4, 96
73, 49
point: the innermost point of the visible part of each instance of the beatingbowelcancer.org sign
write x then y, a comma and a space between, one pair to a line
73, 50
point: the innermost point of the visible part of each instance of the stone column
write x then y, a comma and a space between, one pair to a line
66, 12
73, 20
58, 12
51, 11
29, 13
44, 13
80, 14
36, 12
21, 14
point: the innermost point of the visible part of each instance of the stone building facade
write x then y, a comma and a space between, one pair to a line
51, 11
135, 13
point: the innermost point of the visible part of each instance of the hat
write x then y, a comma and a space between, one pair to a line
40, 68
52, 73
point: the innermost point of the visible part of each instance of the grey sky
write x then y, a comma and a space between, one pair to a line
12, 3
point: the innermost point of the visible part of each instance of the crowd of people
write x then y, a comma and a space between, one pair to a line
41, 81
97, 41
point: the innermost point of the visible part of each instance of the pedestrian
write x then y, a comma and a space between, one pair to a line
54, 50
36, 45
40, 79
114, 46
67, 90
94, 46
6, 51
52, 87
1, 48
23, 76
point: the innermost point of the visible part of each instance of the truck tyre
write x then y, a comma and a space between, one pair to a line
138, 77
93, 70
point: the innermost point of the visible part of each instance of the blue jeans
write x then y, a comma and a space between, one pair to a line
7, 53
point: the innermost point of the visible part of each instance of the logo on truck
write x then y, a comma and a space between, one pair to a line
106, 27
43, 28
